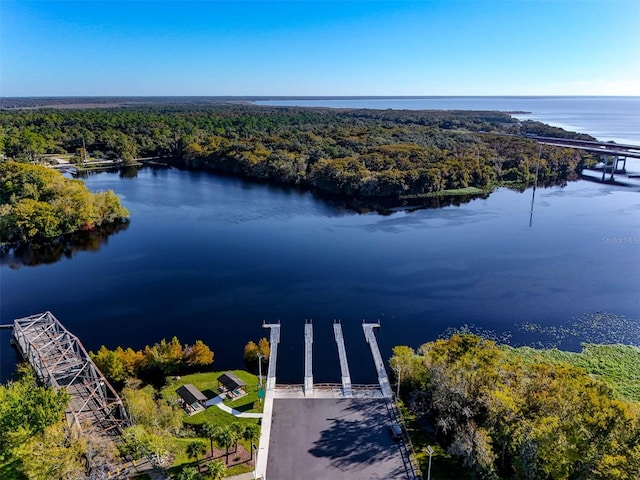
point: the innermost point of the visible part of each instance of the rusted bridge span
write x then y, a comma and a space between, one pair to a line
613, 154
61, 361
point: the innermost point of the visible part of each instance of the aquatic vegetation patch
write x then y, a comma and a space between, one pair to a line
597, 327
591, 328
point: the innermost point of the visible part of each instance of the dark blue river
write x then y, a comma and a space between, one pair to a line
209, 257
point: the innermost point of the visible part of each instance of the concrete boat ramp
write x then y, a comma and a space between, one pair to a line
345, 388
338, 431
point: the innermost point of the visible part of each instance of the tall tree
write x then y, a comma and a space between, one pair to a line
216, 469
53, 454
238, 431
197, 355
188, 473
209, 430
226, 438
251, 433
27, 409
195, 449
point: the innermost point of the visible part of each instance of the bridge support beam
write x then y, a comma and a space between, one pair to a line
60, 361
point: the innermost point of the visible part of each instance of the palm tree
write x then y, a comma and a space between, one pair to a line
188, 473
238, 432
250, 433
195, 449
209, 430
217, 469
225, 438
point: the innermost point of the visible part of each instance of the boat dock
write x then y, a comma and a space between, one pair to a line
344, 366
383, 379
308, 357
274, 340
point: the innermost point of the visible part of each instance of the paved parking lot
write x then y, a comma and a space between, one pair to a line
333, 439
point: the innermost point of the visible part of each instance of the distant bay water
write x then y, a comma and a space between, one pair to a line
606, 118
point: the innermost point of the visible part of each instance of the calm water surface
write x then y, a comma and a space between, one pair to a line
211, 258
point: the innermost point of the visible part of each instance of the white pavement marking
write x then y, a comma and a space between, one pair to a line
217, 401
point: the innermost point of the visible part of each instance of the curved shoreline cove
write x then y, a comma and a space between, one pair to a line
210, 257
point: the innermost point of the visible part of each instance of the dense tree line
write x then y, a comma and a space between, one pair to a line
37, 203
361, 153
504, 417
253, 349
154, 422
36, 443
167, 358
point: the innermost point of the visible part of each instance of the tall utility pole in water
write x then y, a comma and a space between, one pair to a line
535, 184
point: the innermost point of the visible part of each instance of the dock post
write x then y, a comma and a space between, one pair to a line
308, 358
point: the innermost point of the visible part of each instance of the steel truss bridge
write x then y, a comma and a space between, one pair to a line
60, 361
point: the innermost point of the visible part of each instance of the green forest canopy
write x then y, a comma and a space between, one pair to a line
361, 153
504, 414
38, 203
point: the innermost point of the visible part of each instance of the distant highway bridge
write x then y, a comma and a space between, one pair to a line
612, 153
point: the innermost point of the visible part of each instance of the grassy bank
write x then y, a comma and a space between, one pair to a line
616, 365
453, 192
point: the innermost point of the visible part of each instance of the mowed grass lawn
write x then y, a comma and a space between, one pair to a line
207, 383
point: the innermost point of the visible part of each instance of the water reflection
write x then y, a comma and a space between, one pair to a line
123, 172
389, 205
54, 250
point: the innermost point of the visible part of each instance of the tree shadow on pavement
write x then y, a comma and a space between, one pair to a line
359, 436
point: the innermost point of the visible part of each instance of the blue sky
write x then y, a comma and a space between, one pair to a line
454, 47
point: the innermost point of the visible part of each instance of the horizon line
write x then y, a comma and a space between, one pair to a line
312, 97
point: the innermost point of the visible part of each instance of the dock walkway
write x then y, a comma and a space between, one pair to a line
308, 358
342, 354
274, 340
383, 379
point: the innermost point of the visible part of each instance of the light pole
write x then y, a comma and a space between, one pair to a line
260, 357
430, 452
398, 370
